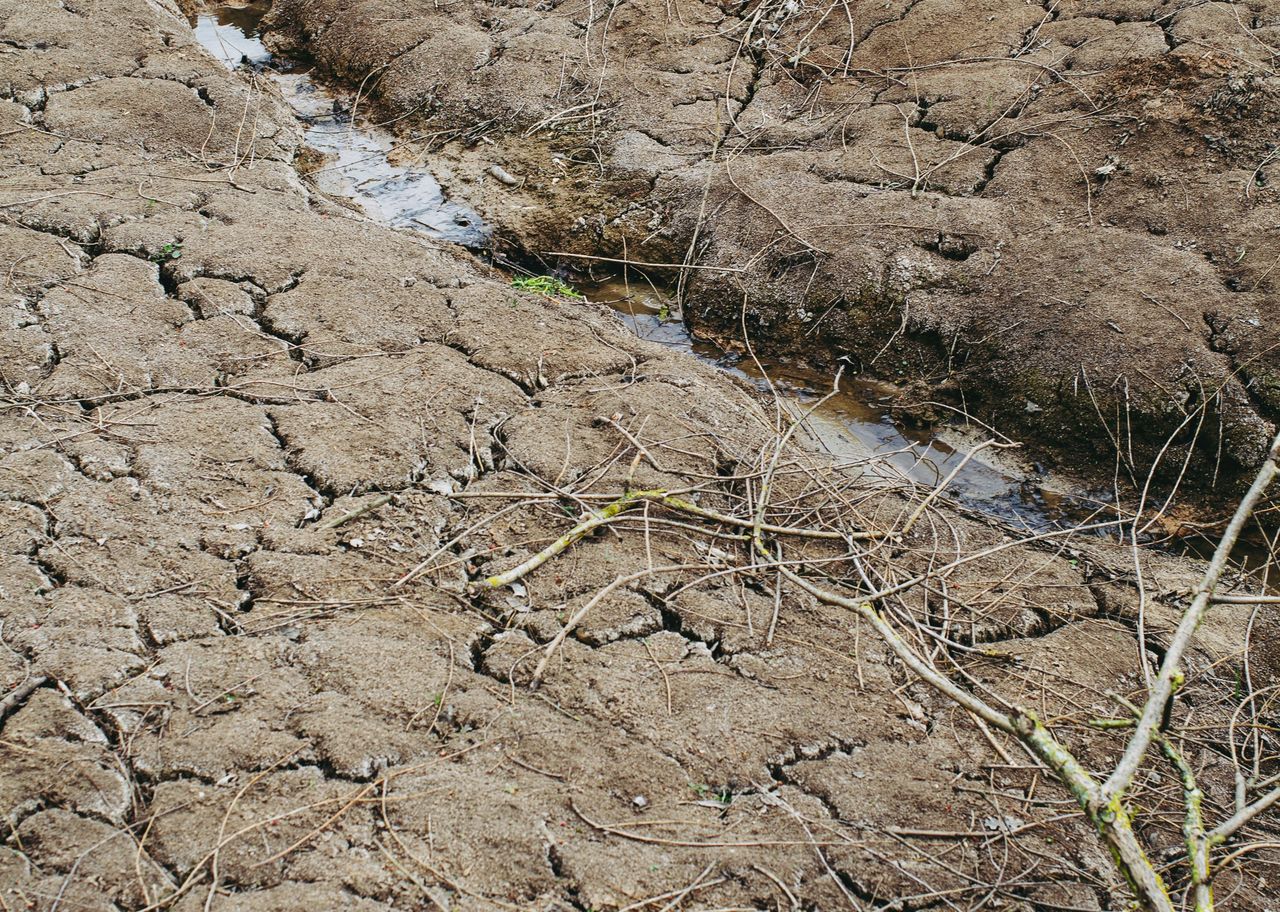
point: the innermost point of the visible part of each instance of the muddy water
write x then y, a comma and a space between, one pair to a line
362, 166
857, 421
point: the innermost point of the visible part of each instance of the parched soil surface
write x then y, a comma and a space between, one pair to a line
1058, 218
214, 696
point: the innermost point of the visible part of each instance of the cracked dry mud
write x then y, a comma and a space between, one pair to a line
212, 700
1059, 217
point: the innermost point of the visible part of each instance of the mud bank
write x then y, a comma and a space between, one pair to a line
354, 161
235, 416
1053, 219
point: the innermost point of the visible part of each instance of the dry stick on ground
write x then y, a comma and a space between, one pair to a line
1198, 840
635, 498
591, 603
368, 507
1104, 802
15, 697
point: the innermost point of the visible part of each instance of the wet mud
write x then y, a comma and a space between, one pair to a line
856, 422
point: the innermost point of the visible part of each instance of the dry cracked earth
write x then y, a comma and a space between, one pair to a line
215, 695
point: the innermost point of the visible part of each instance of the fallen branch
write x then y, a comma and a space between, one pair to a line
633, 499
19, 694
359, 511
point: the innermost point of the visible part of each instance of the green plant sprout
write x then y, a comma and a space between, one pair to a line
171, 251
547, 286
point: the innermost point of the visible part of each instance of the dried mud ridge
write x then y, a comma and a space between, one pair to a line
1055, 217
214, 697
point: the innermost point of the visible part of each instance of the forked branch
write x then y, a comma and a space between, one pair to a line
1102, 800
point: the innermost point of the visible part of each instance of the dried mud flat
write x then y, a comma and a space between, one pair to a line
216, 696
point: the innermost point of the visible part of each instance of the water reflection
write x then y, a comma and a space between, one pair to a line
359, 165
231, 35
855, 423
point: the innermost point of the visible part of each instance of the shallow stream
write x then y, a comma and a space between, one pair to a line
361, 165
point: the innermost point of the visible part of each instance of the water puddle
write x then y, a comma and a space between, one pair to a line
857, 422
360, 166
231, 35
360, 157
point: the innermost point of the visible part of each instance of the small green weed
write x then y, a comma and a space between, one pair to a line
548, 286
169, 252
722, 795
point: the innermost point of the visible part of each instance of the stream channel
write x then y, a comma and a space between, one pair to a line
360, 167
